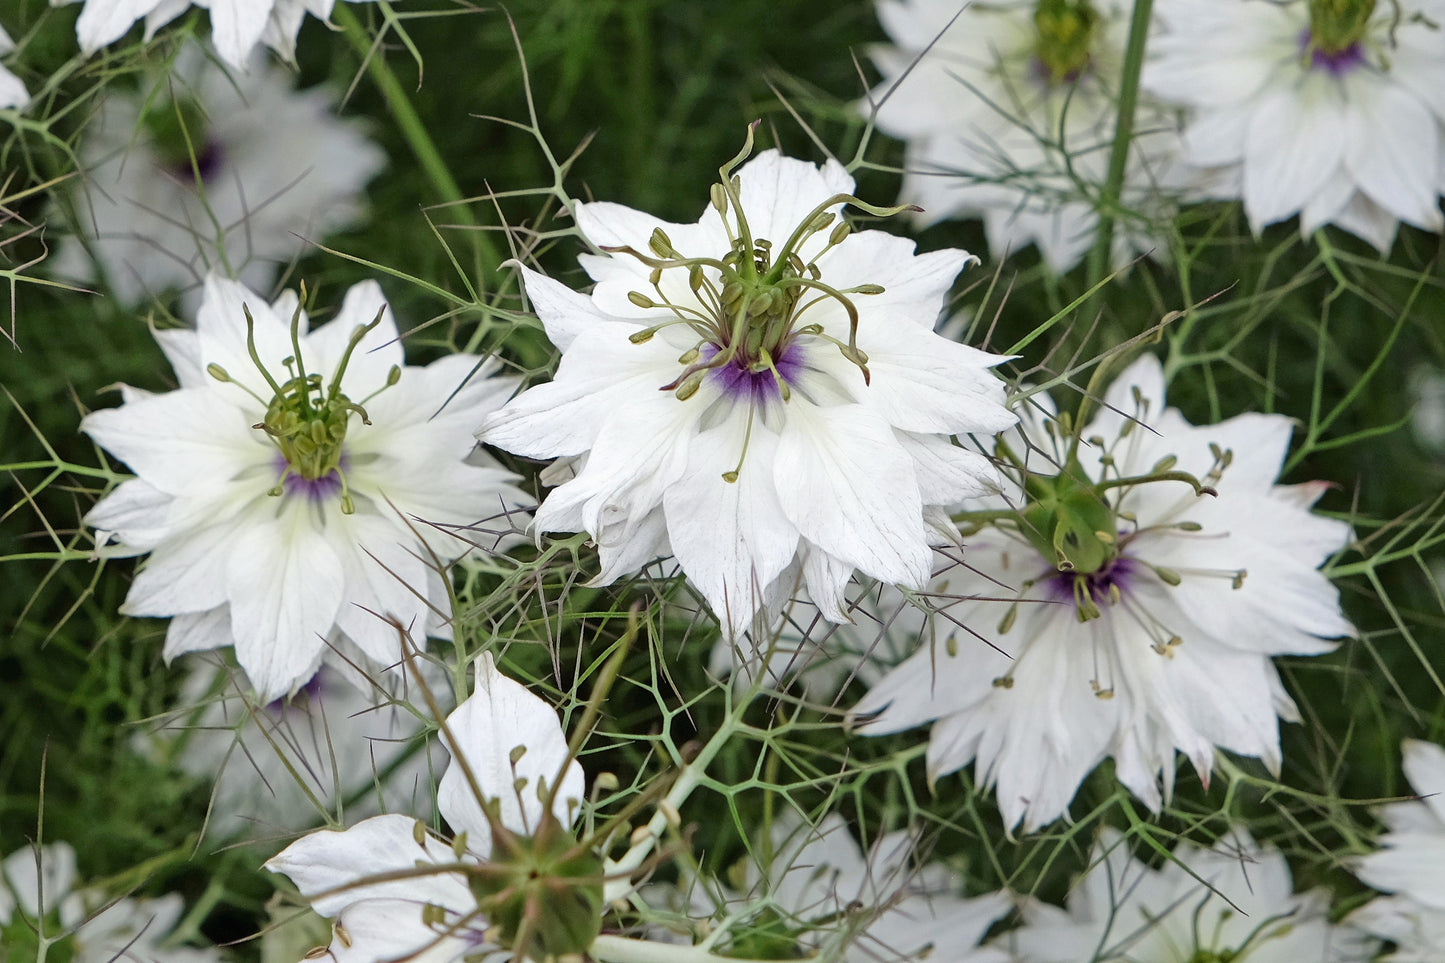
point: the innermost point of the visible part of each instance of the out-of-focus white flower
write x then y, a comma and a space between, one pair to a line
821, 893
12, 90
237, 26
1427, 385
1329, 109
1410, 864
218, 171
1232, 902
760, 394
343, 747
1118, 617
38, 894
1008, 110
515, 754
280, 516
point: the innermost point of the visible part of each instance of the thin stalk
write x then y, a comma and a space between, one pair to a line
417, 137
1109, 197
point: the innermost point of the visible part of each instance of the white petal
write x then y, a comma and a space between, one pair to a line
331, 868
1395, 153
285, 585
236, 27
845, 481
101, 23
501, 716
731, 538
198, 632
563, 312
1296, 143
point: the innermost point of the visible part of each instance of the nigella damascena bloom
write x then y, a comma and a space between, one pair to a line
760, 394
1410, 864
1008, 109
514, 884
206, 169
39, 896
237, 26
1232, 901
1122, 611
299, 486
827, 899
1330, 109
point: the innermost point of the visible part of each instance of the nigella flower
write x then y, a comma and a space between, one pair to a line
237, 26
1120, 611
38, 895
1234, 901
299, 486
512, 874
1329, 109
12, 89
206, 170
1410, 864
1008, 109
338, 746
760, 394
821, 895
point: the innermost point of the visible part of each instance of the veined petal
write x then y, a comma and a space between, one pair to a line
488, 729
236, 27
332, 869
872, 515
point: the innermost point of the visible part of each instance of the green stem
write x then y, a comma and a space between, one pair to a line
1109, 197
417, 137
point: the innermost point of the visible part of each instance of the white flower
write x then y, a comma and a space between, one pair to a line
219, 171
348, 744
1427, 420
237, 26
1232, 902
821, 893
95, 929
1410, 864
1009, 116
513, 744
1329, 110
775, 446
280, 574
12, 90
1161, 637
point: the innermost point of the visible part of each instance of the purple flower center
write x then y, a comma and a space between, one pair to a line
1117, 573
321, 489
1338, 62
760, 387
209, 161
311, 691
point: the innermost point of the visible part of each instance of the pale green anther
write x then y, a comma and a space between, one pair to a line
868, 289
661, 244
459, 845
641, 300
1189, 527
695, 278
517, 753
1007, 622
730, 476
840, 234
689, 356
393, 376
719, 197
1065, 32
1238, 582
820, 222
418, 832
689, 386
643, 336
433, 916
217, 372
1166, 463
1338, 25
1167, 575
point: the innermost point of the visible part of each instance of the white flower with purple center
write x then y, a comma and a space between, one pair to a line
1008, 109
300, 487
1332, 110
38, 896
1113, 609
1234, 901
209, 170
398, 892
760, 394
237, 26
1410, 864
